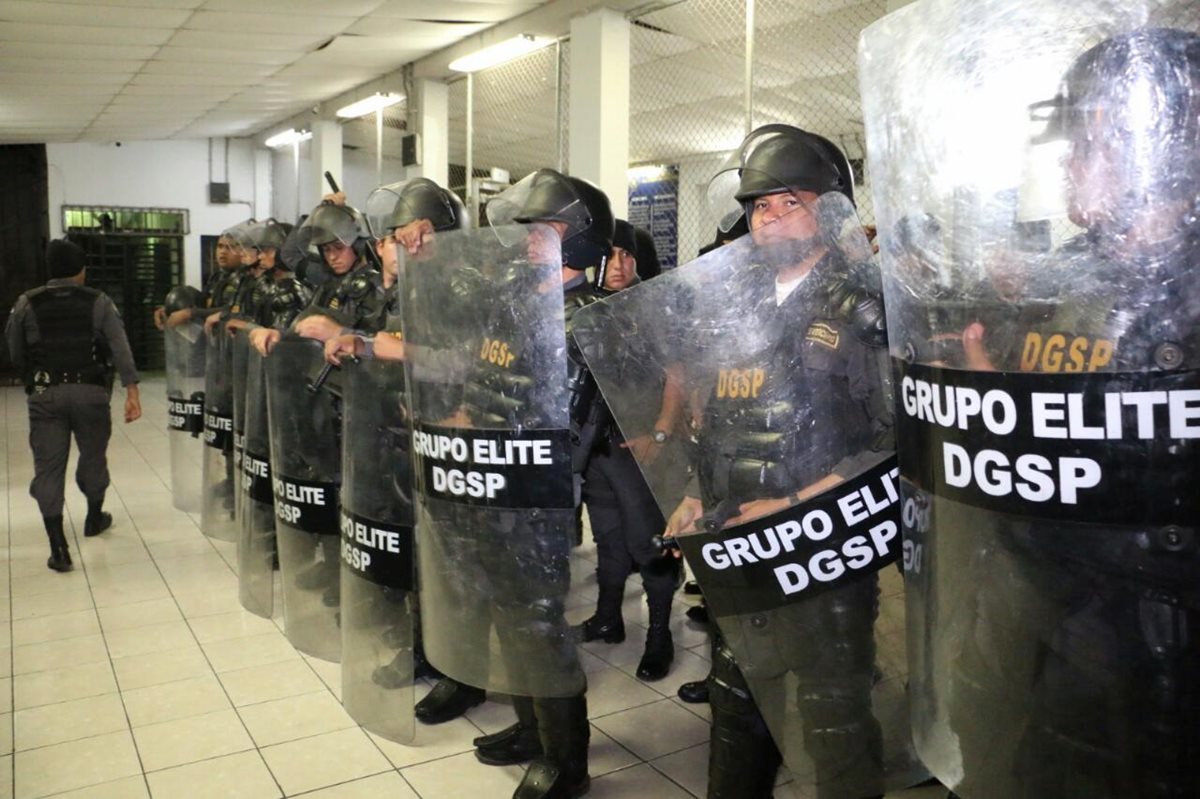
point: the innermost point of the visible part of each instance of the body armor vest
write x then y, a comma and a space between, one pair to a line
69, 350
353, 299
782, 415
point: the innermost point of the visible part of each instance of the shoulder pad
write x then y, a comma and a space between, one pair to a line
856, 298
360, 284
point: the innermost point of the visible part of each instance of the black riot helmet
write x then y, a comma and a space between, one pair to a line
773, 159
270, 234
399, 204
182, 297
329, 223
550, 196
1129, 109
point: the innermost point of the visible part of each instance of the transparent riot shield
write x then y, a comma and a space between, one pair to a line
1035, 175
256, 542
378, 588
239, 356
306, 427
791, 506
217, 513
487, 372
185, 347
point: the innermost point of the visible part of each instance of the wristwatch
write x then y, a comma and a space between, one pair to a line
660, 436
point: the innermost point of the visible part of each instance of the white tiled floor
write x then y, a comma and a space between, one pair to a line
138, 675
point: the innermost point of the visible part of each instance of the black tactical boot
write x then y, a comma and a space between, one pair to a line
562, 772
660, 648
607, 625
517, 743
694, 693
447, 701
60, 555
97, 520
397, 673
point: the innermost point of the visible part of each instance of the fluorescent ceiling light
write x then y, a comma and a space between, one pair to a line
499, 53
369, 105
289, 136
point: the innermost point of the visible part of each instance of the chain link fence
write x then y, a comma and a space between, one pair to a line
519, 116
688, 103
688, 89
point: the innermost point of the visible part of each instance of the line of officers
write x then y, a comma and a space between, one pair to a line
364, 432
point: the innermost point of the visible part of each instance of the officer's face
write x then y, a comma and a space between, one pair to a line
228, 256
249, 256
267, 256
784, 215
545, 242
340, 257
622, 269
386, 247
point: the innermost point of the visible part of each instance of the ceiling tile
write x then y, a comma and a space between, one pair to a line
67, 65
248, 39
451, 10
221, 55
246, 71
286, 24
320, 8
82, 34
51, 13
88, 52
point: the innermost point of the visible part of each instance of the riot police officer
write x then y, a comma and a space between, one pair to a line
825, 418
220, 288
624, 516
1111, 712
503, 565
62, 337
407, 217
353, 298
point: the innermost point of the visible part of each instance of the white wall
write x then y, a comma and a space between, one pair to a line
162, 174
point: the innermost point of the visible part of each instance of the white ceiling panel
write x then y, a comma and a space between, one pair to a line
186, 81
67, 65
452, 10
82, 34
135, 69
247, 72
319, 8
50, 13
92, 4
238, 40
85, 52
287, 24
223, 55
93, 80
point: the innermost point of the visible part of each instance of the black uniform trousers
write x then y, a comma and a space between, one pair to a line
56, 414
624, 517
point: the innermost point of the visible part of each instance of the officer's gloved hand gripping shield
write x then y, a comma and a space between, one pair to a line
791, 520
304, 405
185, 350
217, 512
487, 382
1036, 168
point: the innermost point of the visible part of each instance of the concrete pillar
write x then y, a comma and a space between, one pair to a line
599, 133
433, 124
327, 154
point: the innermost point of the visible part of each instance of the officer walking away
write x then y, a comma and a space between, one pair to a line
66, 339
